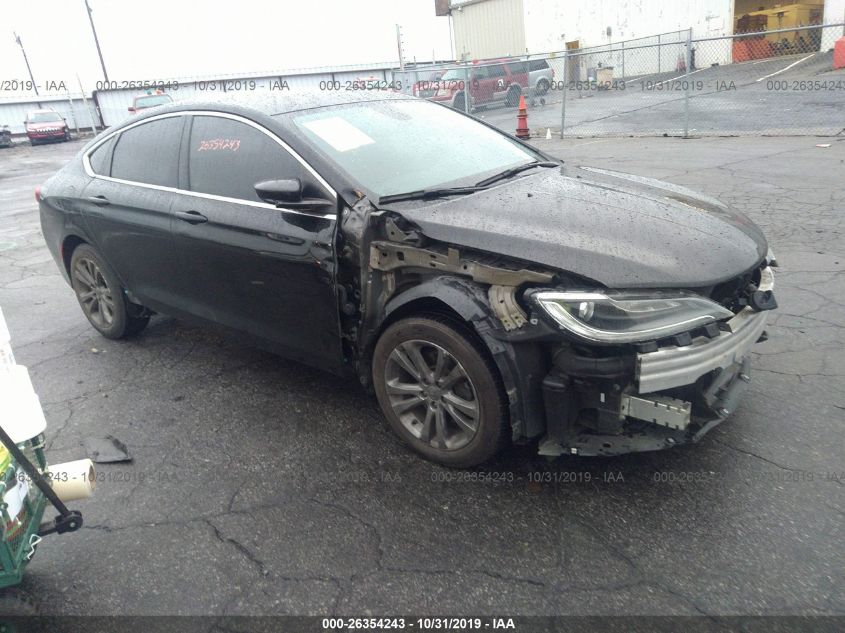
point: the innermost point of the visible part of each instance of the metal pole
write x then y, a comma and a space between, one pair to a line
451, 38
467, 95
658, 54
96, 41
73, 112
26, 61
687, 82
85, 103
623, 60
563, 92
399, 46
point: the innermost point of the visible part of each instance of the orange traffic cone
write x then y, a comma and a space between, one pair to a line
522, 130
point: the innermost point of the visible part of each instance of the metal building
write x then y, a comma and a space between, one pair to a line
494, 28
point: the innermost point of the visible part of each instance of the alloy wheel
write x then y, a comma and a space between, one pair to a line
94, 293
432, 394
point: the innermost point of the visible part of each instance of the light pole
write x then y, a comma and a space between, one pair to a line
26, 61
96, 41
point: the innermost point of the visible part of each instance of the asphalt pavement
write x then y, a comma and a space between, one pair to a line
796, 94
259, 486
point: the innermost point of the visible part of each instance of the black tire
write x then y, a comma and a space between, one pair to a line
542, 87
460, 104
67, 135
32, 142
514, 93
441, 402
16, 603
101, 296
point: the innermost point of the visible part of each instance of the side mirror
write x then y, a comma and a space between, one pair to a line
289, 194
278, 191
131, 108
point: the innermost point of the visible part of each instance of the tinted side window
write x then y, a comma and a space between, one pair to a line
537, 64
228, 157
100, 158
496, 71
149, 153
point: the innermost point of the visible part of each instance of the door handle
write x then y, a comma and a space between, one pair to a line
100, 201
191, 217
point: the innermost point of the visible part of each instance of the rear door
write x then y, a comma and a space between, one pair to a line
248, 264
126, 206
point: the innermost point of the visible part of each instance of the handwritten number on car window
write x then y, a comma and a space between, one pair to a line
215, 144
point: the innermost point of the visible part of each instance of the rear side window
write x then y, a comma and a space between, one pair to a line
149, 153
537, 64
228, 157
100, 158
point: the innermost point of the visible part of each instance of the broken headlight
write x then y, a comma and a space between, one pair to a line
628, 317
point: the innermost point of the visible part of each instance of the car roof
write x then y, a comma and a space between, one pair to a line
44, 111
284, 101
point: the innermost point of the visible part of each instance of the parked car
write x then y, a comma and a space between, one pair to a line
5, 136
485, 291
489, 84
149, 100
540, 75
46, 125
427, 84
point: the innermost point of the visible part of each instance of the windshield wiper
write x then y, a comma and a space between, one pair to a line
429, 194
515, 170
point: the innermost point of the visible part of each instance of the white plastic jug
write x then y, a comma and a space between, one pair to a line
21, 415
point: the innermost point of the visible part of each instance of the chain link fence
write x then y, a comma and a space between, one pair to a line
775, 82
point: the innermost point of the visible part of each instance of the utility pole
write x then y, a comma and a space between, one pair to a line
399, 45
26, 61
96, 41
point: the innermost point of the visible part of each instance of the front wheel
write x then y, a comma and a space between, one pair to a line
441, 391
100, 295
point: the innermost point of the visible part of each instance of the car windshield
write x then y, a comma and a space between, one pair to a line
392, 147
455, 74
153, 100
44, 117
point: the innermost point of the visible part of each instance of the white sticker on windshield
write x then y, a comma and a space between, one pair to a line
339, 133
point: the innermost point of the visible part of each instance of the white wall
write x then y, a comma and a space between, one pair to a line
834, 12
551, 23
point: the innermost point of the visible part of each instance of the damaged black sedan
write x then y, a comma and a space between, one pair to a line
486, 292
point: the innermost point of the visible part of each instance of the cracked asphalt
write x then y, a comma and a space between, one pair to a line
259, 486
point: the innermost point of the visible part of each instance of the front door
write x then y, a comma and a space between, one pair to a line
244, 263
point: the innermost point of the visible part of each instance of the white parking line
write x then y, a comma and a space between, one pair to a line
777, 72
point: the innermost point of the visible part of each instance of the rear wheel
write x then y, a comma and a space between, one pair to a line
542, 87
460, 103
440, 391
100, 295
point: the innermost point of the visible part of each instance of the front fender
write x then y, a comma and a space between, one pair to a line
521, 366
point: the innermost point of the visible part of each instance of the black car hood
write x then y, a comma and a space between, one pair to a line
620, 230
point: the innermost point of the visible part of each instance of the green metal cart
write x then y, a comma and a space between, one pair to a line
24, 496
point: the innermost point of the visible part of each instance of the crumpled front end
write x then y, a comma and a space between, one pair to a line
655, 395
